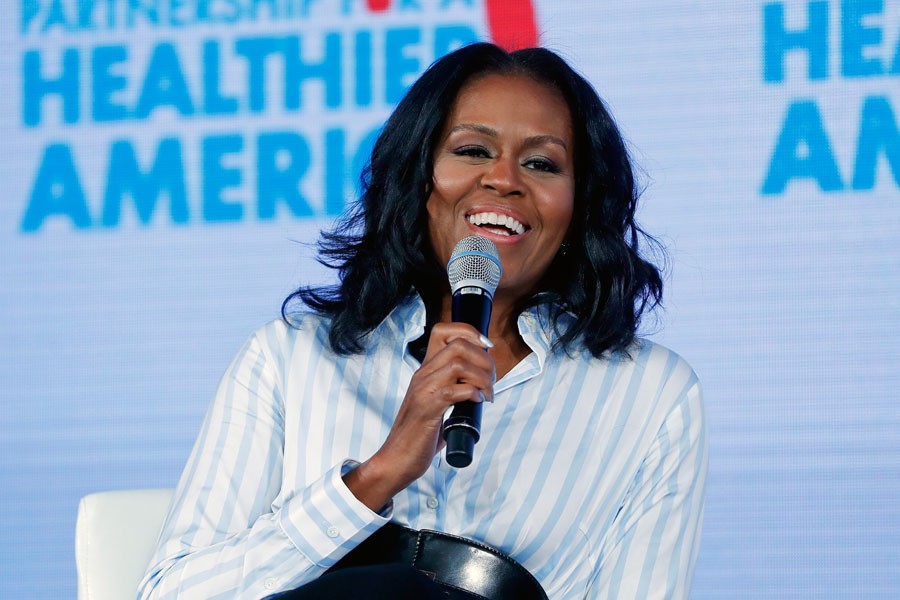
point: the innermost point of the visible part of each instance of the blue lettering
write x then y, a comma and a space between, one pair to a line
149, 11
335, 173
203, 10
448, 38
282, 160
877, 131
410, 5
296, 71
777, 41
35, 87
306, 5
217, 177
855, 37
56, 16
214, 103
30, 9
175, 8
110, 19
57, 191
399, 69
895, 63
255, 50
125, 177
363, 68
254, 8
361, 157
164, 84
803, 150
229, 17
86, 14
105, 83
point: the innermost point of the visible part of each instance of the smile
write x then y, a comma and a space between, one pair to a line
496, 223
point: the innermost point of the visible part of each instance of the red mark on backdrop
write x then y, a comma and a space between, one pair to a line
511, 23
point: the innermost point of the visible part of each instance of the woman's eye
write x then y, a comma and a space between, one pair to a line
541, 164
472, 151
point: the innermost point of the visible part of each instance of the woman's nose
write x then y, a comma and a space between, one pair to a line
502, 176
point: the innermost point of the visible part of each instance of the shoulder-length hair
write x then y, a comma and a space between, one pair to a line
382, 250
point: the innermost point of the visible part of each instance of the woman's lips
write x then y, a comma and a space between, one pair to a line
498, 222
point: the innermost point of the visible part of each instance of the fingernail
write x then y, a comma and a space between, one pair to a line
485, 342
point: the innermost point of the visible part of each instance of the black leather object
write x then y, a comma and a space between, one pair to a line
464, 568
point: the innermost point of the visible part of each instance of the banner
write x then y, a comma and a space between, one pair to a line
168, 165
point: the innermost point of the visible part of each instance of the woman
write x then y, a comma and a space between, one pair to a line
591, 466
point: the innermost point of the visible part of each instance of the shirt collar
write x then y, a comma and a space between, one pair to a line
535, 324
408, 318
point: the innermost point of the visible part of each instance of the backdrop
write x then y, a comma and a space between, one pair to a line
167, 163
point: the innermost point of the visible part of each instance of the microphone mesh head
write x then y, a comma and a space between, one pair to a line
475, 262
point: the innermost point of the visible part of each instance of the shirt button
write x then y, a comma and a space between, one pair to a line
270, 584
432, 503
332, 532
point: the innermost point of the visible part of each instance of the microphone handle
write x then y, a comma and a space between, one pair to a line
462, 429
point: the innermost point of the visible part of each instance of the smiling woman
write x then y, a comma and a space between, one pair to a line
505, 156
601, 278
319, 467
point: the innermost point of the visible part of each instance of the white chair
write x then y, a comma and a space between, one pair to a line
115, 537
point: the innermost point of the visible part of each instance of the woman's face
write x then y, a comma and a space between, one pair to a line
504, 169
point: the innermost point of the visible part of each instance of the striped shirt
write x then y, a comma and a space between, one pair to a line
590, 472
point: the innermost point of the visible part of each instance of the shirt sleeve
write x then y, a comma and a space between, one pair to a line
232, 531
651, 550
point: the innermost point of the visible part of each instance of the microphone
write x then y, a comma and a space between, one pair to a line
474, 271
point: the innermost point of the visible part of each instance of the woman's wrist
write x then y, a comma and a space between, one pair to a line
373, 484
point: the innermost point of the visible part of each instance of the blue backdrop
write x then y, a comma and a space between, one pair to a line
165, 166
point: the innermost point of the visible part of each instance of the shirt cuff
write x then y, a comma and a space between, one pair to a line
386, 511
325, 521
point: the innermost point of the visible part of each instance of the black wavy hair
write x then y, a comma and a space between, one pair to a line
382, 250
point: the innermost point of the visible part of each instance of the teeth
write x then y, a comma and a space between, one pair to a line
491, 218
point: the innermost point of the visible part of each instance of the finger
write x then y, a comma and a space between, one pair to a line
444, 333
484, 396
464, 392
459, 354
459, 369
487, 395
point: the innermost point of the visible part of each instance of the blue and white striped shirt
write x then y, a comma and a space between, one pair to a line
590, 472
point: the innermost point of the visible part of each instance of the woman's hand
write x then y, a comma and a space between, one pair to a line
456, 368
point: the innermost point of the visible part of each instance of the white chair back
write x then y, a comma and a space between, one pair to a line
115, 537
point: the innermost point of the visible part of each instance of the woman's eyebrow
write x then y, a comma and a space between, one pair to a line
538, 140
535, 140
476, 128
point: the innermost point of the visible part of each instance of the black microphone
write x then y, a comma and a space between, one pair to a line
474, 271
